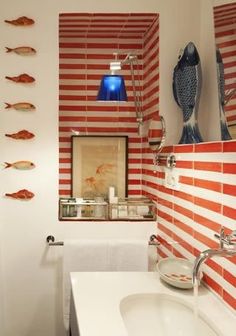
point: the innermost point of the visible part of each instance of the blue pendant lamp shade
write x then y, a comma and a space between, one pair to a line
112, 88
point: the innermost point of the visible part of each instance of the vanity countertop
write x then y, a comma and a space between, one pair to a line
97, 297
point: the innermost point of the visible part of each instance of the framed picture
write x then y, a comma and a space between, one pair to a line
99, 162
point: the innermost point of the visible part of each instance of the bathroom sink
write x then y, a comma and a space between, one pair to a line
163, 315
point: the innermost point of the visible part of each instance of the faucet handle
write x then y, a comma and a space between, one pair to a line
231, 238
221, 237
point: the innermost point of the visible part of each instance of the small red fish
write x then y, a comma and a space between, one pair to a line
22, 106
23, 78
24, 51
104, 168
21, 165
22, 194
22, 135
21, 21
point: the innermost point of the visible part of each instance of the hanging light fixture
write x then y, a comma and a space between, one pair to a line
112, 87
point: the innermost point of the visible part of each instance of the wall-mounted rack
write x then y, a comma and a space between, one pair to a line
153, 240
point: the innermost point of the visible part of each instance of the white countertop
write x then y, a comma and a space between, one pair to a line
97, 297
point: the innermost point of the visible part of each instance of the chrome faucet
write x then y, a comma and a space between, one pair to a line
222, 251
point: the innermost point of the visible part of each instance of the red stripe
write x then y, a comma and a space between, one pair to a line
229, 146
229, 168
185, 212
184, 227
206, 222
229, 189
211, 185
208, 147
213, 284
229, 299
209, 166
210, 205
229, 212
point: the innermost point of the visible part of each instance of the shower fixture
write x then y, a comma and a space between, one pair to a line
112, 87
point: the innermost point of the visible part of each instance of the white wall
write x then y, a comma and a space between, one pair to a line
1, 283
32, 271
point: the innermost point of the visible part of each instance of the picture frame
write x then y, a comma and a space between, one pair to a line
99, 162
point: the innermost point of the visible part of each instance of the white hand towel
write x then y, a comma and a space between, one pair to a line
100, 255
81, 256
128, 255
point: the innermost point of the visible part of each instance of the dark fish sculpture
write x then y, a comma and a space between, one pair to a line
22, 194
225, 135
187, 80
21, 135
23, 78
21, 21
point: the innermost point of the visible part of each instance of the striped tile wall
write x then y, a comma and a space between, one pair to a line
87, 43
189, 217
151, 106
225, 33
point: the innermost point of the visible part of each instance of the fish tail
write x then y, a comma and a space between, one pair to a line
8, 135
7, 105
7, 77
8, 49
7, 165
7, 21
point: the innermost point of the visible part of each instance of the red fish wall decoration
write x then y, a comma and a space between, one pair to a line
20, 165
21, 21
23, 78
21, 135
22, 194
23, 51
21, 106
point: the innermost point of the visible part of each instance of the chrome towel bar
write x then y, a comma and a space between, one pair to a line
153, 240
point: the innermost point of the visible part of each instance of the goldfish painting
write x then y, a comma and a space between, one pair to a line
22, 194
21, 106
21, 21
21, 165
23, 51
97, 185
21, 135
23, 78
104, 168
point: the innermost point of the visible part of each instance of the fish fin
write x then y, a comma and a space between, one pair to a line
7, 105
175, 94
8, 49
7, 165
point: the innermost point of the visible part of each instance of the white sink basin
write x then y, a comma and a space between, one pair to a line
157, 314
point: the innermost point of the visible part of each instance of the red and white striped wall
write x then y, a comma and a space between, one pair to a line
87, 43
207, 171
225, 34
205, 202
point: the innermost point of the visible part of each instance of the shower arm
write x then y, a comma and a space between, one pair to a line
117, 65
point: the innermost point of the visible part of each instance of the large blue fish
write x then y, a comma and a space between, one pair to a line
187, 80
223, 100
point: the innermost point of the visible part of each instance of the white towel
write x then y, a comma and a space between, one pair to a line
81, 256
100, 255
128, 255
